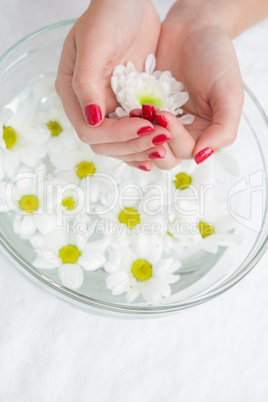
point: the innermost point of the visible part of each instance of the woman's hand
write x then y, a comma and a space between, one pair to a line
108, 33
195, 46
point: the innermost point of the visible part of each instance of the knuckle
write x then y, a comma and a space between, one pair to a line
80, 79
230, 138
137, 146
167, 164
84, 137
96, 149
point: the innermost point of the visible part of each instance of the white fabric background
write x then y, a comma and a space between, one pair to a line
51, 352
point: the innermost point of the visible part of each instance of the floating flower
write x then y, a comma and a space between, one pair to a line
19, 142
71, 253
133, 89
26, 198
179, 235
141, 270
215, 227
58, 130
84, 167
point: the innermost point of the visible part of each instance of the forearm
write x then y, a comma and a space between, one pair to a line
234, 16
239, 15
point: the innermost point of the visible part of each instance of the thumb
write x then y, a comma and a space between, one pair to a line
88, 81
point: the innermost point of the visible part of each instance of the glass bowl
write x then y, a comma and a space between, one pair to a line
205, 276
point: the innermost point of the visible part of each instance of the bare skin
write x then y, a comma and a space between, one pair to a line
194, 43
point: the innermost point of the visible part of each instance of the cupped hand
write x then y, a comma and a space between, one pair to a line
197, 49
107, 34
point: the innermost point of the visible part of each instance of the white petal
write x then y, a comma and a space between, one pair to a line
71, 275
45, 223
150, 64
209, 244
186, 119
43, 264
117, 279
24, 226
92, 261
132, 294
151, 292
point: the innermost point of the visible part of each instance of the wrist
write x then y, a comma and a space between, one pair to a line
231, 16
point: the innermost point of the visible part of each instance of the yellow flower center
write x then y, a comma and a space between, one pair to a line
182, 181
69, 254
54, 127
130, 217
145, 97
142, 270
205, 229
29, 203
68, 203
84, 169
9, 136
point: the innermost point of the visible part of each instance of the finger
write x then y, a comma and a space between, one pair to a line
148, 112
88, 83
135, 113
223, 130
153, 153
181, 143
146, 165
158, 137
109, 131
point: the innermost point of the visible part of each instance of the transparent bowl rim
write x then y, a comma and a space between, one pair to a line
95, 306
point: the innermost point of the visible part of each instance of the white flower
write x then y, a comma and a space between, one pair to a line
179, 235
141, 270
20, 142
127, 214
71, 253
132, 89
215, 227
26, 198
58, 130
94, 173
191, 185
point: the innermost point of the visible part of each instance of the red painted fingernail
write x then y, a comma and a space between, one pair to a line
155, 155
93, 114
145, 130
201, 156
135, 114
141, 167
160, 139
148, 112
161, 120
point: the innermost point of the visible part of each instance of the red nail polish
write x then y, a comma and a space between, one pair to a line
148, 112
135, 114
145, 130
93, 114
201, 156
155, 155
141, 167
161, 120
160, 139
